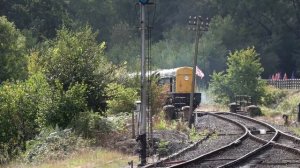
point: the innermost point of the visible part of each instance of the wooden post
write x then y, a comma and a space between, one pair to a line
133, 126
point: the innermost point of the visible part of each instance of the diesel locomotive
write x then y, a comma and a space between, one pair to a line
177, 86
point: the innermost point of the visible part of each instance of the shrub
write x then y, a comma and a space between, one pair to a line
289, 105
89, 124
66, 105
272, 95
52, 145
120, 98
22, 105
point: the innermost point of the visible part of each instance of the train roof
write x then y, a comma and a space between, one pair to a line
163, 73
167, 73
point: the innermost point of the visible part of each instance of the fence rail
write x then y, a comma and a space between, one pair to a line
285, 84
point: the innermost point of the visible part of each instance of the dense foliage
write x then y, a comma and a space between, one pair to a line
12, 51
76, 57
120, 99
270, 26
242, 77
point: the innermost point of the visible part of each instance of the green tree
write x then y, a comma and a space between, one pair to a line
76, 57
66, 105
99, 14
242, 77
12, 52
40, 17
22, 105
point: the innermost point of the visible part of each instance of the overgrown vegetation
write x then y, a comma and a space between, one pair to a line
272, 96
121, 99
160, 123
287, 103
65, 88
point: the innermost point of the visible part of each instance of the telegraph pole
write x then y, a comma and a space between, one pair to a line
142, 130
199, 24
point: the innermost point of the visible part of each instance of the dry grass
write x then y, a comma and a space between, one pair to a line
86, 159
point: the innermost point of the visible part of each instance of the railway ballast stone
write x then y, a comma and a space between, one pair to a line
170, 141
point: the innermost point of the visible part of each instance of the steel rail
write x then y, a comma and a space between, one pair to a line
271, 143
245, 130
238, 140
254, 152
267, 143
249, 134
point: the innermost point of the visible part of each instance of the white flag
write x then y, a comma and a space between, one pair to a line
199, 72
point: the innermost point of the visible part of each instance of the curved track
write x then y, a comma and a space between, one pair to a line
261, 145
227, 132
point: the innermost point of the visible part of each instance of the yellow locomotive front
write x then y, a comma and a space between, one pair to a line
184, 80
177, 84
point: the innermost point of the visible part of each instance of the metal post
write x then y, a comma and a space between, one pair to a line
133, 126
298, 112
142, 131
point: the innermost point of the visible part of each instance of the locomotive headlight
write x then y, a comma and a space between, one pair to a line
186, 77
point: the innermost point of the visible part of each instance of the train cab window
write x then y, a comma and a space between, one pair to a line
163, 81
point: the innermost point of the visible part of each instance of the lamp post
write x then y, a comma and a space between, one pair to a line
198, 24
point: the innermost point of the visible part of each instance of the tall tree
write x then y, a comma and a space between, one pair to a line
76, 57
41, 17
242, 77
12, 52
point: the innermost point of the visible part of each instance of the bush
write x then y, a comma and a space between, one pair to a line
22, 105
27, 107
89, 124
66, 105
52, 145
272, 96
289, 105
120, 98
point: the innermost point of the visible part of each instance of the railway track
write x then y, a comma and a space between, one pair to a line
246, 143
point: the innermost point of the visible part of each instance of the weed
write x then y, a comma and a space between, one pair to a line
195, 135
163, 148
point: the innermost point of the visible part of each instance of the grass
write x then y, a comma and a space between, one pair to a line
85, 159
288, 105
194, 135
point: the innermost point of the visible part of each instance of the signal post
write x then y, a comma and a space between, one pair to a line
198, 24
